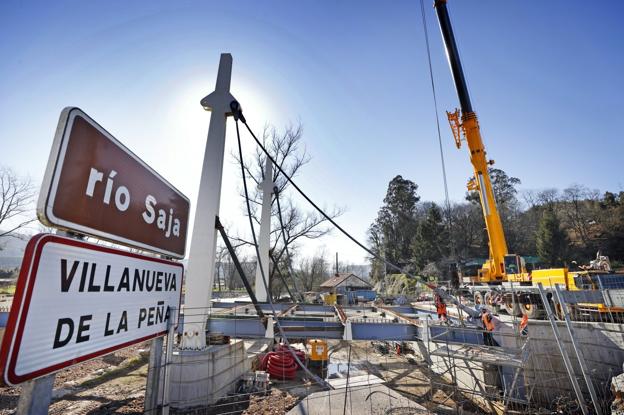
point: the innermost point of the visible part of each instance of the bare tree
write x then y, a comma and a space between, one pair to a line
578, 211
227, 277
376, 244
222, 253
313, 271
285, 147
16, 197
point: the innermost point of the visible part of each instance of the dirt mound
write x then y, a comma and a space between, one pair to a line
276, 403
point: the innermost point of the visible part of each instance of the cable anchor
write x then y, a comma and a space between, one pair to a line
237, 111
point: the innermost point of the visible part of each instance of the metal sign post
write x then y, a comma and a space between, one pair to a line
154, 364
36, 396
204, 239
167, 368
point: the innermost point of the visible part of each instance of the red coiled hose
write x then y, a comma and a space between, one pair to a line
280, 364
300, 353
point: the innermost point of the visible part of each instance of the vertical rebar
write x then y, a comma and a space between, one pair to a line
577, 349
562, 349
153, 376
168, 354
603, 296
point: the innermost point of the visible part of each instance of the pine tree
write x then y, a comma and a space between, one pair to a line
430, 240
392, 232
552, 241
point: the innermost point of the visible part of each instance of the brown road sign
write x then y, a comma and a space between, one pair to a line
96, 186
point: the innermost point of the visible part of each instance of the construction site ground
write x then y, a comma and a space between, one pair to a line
406, 374
403, 373
116, 384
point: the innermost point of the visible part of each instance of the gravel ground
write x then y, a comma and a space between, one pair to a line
276, 403
111, 384
116, 384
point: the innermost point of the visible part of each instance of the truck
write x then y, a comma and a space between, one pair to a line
503, 278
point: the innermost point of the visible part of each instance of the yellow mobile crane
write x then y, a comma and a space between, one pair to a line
503, 268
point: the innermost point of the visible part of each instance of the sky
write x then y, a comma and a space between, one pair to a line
545, 79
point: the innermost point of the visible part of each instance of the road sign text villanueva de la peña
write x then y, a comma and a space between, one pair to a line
86, 277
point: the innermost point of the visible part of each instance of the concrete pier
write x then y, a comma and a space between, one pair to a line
200, 378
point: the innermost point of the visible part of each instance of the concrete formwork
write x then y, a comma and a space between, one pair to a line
471, 368
526, 369
602, 347
200, 378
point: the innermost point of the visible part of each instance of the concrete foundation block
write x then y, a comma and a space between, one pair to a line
200, 378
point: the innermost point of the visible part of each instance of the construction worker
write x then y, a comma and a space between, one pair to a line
524, 330
440, 308
488, 328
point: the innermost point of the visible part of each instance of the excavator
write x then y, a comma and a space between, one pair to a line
504, 277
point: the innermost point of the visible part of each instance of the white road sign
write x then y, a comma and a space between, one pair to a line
75, 301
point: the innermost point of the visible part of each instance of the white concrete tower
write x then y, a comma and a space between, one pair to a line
201, 263
264, 238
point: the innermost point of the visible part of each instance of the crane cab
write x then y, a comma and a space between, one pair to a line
515, 268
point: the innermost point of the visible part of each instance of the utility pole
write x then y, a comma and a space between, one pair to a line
336, 263
201, 263
264, 238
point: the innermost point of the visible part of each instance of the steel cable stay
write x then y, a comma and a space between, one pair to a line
239, 268
238, 115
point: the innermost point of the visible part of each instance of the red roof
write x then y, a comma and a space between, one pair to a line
339, 278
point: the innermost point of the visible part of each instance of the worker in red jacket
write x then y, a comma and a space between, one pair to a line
524, 325
488, 328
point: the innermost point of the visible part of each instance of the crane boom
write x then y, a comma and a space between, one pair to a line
494, 269
503, 269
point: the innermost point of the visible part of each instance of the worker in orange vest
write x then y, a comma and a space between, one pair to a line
440, 308
488, 328
523, 325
